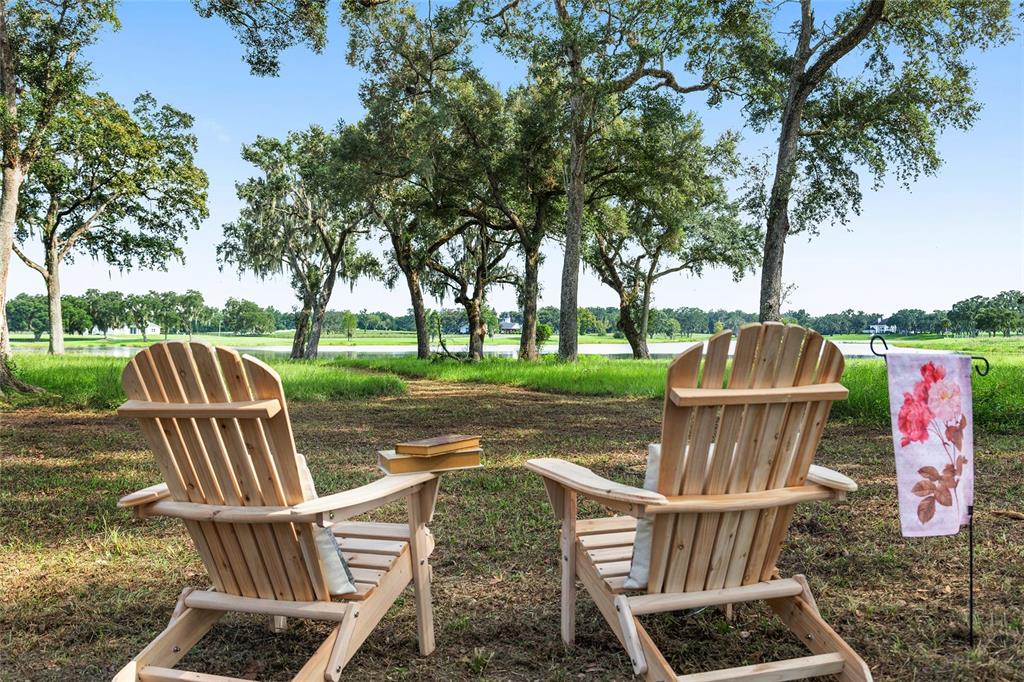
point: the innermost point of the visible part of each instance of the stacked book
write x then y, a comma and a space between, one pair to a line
454, 451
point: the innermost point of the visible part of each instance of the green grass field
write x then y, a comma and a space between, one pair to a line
90, 381
84, 381
998, 397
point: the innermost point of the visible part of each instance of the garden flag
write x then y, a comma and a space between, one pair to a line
933, 434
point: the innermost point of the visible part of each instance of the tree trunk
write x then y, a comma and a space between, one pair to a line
634, 334
778, 203
419, 313
320, 303
531, 290
301, 332
53, 296
8, 215
645, 313
567, 318
315, 327
12, 178
476, 329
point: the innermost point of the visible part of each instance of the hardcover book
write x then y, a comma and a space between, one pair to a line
438, 445
393, 463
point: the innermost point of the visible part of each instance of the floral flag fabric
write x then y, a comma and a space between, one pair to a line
933, 434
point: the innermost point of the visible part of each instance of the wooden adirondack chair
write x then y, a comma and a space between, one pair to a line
218, 426
733, 463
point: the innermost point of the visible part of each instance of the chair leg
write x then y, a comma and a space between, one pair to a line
421, 573
568, 548
341, 646
171, 645
801, 616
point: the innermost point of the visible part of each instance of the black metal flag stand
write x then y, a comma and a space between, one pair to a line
970, 508
970, 575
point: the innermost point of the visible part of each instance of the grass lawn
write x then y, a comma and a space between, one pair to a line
998, 397
84, 586
91, 381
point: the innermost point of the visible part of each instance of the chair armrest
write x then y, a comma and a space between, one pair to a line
349, 503
144, 496
336, 507
734, 502
831, 479
587, 483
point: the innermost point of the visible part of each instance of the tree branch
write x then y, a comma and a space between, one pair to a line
872, 15
29, 262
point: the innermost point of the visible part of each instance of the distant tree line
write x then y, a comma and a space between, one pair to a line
187, 313
171, 312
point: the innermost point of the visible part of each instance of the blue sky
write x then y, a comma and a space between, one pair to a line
953, 235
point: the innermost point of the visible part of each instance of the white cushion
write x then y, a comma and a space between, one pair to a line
339, 578
640, 567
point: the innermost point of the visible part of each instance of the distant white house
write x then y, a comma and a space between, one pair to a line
879, 328
507, 326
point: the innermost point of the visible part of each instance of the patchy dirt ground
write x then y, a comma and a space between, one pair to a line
83, 586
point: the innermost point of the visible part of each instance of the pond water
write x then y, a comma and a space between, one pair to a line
613, 351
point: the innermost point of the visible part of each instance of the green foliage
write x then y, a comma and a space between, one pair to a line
994, 319
895, 90
302, 216
246, 317
544, 333
140, 310
45, 42
27, 313
670, 213
265, 29
348, 323
105, 308
76, 315
588, 322
125, 182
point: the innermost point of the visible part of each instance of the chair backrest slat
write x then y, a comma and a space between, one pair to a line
731, 418
226, 460
675, 427
286, 564
696, 453
180, 486
737, 448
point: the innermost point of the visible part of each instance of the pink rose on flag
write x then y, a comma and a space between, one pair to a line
914, 418
931, 373
944, 401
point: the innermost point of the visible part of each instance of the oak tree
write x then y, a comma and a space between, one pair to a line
865, 89
117, 185
40, 70
302, 216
